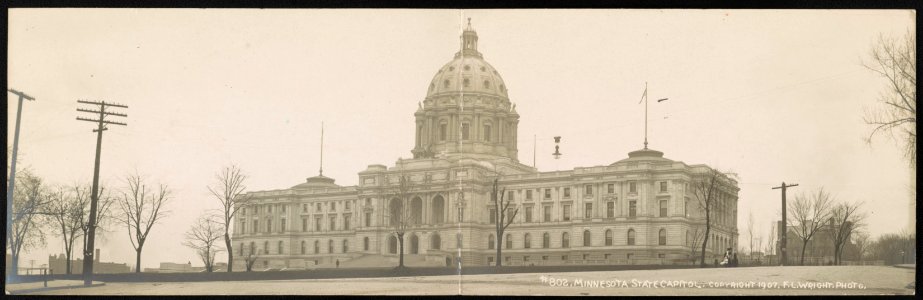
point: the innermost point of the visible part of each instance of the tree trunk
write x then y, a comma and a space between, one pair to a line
137, 260
705, 240
804, 246
400, 238
14, 264
67, 255
227, 243
499, 242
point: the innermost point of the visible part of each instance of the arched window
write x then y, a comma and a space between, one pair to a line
487, 132
565, 240
446, 83
345, 246
662, 237
266, 247
304, 247
490, 241
435, 242
608, 237
316, 247
252, 248
527, 241
365, 243
416, 208
414, 244
280, 248
546, 240
631, 237
509, 241
465, 131
395, 209
330, 246
443, 131
466, 82
486, 84
438, 210
586, 238
392, 244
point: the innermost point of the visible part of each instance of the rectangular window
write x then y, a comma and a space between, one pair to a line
528, 214
589, 210
663, 208
566, 212
493, 216
547, 213
368, 219
346, 222
528, 194
632, 208
269, 209
283, 208
610, 209
318, 222
269, 226
304, 224
319, 208
510, 196
586, 256
663, 186
333, 222
632, 187
610, 188
465, 134
256, 226
567, 192
243, 224
346, 205
564, 257
282, 225
544, 257
487, 133
525, 259
509, 216
661, 255
304, 208
333, 206
442, 132
606, 256
547, 194
589, 190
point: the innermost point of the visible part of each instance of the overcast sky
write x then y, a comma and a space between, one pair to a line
770, 95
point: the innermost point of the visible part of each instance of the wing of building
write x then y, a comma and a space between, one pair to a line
637, 210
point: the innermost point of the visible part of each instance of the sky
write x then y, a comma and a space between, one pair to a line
770, 95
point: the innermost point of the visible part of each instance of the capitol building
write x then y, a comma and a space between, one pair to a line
638, 209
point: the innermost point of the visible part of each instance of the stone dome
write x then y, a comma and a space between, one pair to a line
468, 74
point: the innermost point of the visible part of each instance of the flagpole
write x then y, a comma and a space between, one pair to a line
645, 115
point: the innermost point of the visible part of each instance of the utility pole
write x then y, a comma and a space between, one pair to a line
88, 258
9, 190
783, 239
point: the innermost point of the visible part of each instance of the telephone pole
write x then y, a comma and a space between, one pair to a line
783, 238
9, 191
88, 258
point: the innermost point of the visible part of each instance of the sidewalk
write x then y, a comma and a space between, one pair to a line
907, 266
32, 287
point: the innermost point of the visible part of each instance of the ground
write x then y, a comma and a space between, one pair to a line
813, 280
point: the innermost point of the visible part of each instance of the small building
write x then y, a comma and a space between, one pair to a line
57, 264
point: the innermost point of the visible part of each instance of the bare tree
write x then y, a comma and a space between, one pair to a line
771, 241
229, 192
66, 212
894, 59
400, 212
500, 213
808, 215
141, 209
706, 188
750, 230
862, 242
845, 221
698, 233
203, 238
104, 213
29, 199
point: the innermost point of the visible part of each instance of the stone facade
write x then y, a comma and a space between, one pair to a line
637, 210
